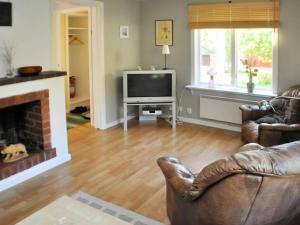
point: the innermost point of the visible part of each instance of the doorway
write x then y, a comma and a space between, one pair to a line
79, 50
76, 34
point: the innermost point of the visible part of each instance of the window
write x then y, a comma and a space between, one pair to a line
221, 51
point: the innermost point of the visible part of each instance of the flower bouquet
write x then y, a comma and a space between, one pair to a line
251, 71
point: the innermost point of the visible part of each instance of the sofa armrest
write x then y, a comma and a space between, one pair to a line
280, 127
177, 175
273, 134
252, 112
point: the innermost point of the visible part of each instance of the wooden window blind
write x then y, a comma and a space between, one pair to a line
235, 14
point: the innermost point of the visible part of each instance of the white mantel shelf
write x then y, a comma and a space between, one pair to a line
40, 76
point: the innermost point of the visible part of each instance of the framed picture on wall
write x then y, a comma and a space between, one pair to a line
124, 32
163, 32
5, 14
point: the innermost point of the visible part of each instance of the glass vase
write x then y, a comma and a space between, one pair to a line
250, 87
10, 72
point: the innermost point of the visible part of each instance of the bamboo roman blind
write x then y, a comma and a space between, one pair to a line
235, 14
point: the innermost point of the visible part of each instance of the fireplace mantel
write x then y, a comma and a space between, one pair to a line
20, 79
54, 83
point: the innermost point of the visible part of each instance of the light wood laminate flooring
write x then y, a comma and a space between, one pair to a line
120, 167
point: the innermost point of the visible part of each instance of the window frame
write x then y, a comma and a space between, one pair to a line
196, 55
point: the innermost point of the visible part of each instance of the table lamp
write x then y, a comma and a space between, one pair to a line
165, 52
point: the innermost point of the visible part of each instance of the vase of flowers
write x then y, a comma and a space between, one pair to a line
7, 54
211, 73
251, 71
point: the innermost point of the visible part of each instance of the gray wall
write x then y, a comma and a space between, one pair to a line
289, 44
180, 58
120, 54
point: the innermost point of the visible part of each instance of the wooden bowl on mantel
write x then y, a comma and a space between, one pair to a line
30, 70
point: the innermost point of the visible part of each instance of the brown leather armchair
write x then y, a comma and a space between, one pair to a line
256, 187
269, 127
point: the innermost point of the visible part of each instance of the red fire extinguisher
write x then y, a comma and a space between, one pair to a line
72, 87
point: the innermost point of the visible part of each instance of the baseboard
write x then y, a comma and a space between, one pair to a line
117, 122
32, 172
202, 122
211, 123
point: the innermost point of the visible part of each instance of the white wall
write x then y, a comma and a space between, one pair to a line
30, 33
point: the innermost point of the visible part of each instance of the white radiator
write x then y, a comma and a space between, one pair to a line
222, 108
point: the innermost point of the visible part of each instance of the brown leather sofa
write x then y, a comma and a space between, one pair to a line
269, 127
256, 187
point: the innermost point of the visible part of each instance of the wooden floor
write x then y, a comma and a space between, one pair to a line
120, 168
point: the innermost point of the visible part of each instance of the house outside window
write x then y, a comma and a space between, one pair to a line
221, 51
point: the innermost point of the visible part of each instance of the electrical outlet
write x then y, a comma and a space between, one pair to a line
180, 109
189, 111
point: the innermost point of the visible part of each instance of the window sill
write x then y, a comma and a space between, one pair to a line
232, 90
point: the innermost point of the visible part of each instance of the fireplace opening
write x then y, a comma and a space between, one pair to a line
22, 124
25, 120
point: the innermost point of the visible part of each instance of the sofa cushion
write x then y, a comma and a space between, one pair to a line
292, 91
292, 114
274, 161
271, 119
282, 160
280, 105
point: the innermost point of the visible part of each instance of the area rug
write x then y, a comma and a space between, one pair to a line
114, 210
75, 120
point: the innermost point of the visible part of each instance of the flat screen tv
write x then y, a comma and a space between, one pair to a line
149, 86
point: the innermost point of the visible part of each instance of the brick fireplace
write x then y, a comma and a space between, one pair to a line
26, 119
34, 114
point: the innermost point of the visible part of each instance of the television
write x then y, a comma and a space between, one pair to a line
149, 86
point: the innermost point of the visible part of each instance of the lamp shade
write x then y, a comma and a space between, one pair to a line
166, 50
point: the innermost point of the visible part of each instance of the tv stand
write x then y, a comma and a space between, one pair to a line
127, 104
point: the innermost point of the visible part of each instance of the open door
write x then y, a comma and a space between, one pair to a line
98, 107
64, 58
96, 53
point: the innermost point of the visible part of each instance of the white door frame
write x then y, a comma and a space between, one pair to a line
97, 72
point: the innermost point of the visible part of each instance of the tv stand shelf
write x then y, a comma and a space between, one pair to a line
126, 104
